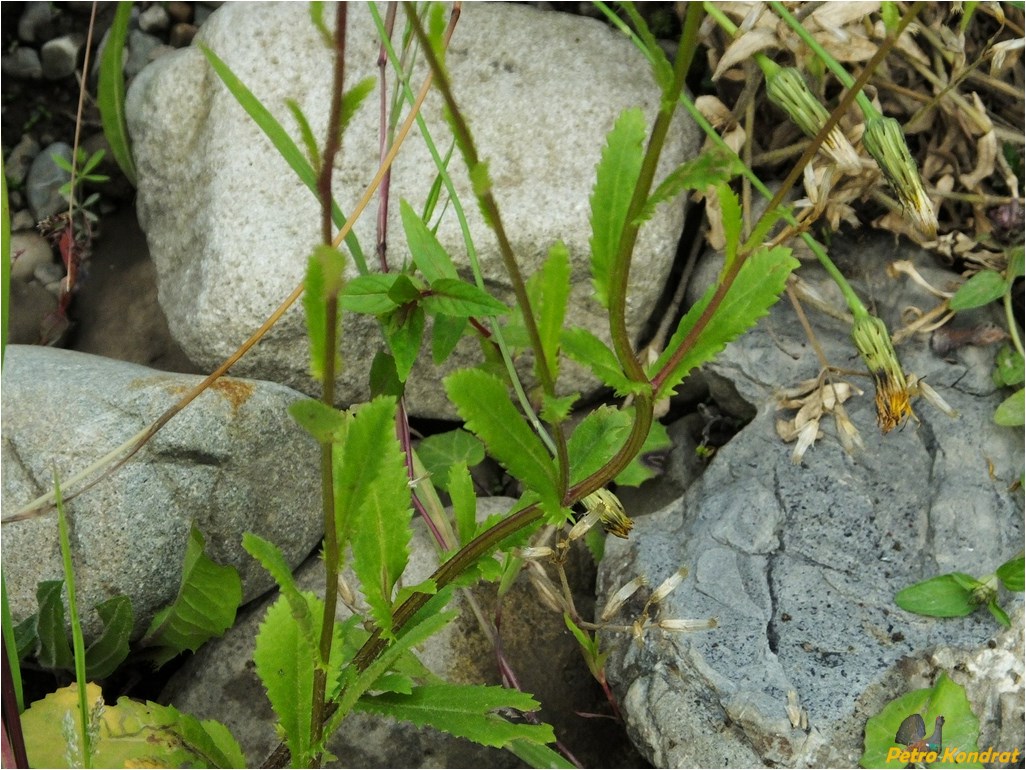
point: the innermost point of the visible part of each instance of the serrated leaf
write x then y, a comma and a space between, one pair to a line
730, 210
54, 650
1012, 411
353, 99
549, 290
1011, 574
484, 405
758, 285
463, 711
943, 596
440, 451
111, 648
429, 255
404, 330
326, 424
464, 501
556, 409
596, 439
204, 608
587, 349
272, 560
946, 699
110, 95
372, 502
131, 734
285, 661
446, 331
707, 170
662, 70
369, 294
617, 175
981, 289
637, 472
453, 297
305, 133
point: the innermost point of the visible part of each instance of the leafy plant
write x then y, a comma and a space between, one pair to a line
956, 594
111, 92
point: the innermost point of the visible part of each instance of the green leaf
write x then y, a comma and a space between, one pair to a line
556, 409
285, 660
730, 209
451, 296
1011, 574
272, 560
313, 153
464, 501
587, 349
593, 657
596, 439
111, 648
1016, 264
441, 451
947, 699
132, 734
404, 330
54, 650
353, 99
323, 283
463, 711
405, 289
429, 255
999, 614
549, 290
25, 639
981, 289
943, 596
1012, 411
707, 170
326, 424
483, 403
637, 472
617, 175
369, 294
110, 97
204, 608
283, 143
1008, 366
384, 379
372, 499
446, 332
662, 70
537, 755
758, 285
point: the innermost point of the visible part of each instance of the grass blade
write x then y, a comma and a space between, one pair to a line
111, 93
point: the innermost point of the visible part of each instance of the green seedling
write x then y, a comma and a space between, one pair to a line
957, 594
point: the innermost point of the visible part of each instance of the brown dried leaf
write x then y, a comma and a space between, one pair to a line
758, 39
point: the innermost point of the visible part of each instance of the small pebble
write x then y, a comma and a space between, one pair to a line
60, 56
140, 45
202, 12
22, 64
22, 220
36, 23
154, 19
44, 180
18, 162
182, 35
180, 12
50, 275
29, 250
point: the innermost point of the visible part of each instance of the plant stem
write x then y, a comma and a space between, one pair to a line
77, 641
1013, 325
332, 144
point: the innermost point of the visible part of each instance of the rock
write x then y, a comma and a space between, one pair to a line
22, 64
22, 220
219, 682
800, 563
16, 166
181, 35
28, 250
35, 25
232, 462
60, 56
44, 181
154, 19
539, 108
49, 275
140, 48
31, 304
180, 12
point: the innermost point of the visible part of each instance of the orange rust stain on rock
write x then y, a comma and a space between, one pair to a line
236, 391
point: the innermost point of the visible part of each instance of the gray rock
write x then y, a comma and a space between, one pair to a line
228, 248
154, 19
17, 164
60, 56
35, 25
28, 250
44, 181
140, 48
22, 64
800, 563
22, 220
232, 462
31, 305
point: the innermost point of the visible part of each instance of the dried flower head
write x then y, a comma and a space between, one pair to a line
885, 141
610, 512
873, 342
